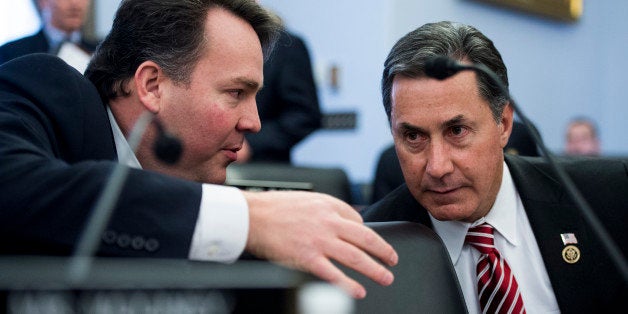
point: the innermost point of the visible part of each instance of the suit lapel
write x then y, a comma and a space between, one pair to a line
398, 205
40, 42
551, 214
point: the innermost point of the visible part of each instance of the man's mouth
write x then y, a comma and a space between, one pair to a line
232, 153
443, 190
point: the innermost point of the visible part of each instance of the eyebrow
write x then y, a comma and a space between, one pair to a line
248, 82
454, 121
405, 126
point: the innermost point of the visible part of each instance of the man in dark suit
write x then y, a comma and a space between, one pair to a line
449, 136
288, 104
61, 136
61, 21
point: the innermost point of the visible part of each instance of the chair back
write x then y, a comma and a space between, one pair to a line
276, 176
425, 279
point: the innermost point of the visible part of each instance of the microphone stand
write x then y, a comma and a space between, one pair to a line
607, 242
82, 258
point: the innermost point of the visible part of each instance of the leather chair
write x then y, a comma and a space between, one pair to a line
425, 279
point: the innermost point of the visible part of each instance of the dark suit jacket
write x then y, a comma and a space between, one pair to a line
33, 44
56, 154
288, 104
388, 174
593, 284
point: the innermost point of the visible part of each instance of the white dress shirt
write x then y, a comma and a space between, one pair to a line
514, 240
223, 221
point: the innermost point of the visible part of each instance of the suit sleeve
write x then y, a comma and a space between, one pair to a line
56, 155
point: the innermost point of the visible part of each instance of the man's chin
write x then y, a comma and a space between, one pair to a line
450, 212
211, 176
217, 177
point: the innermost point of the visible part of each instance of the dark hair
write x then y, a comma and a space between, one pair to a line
455, 40
169, 33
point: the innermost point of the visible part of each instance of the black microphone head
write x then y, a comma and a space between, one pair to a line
168, 148
441, 67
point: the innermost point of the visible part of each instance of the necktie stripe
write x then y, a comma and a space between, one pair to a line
480, 234
482, 245
519, 308
511, 309
489, 289
496, 296
483, 272
498, 291
508, 298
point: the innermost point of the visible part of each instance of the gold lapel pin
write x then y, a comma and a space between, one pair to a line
571, 254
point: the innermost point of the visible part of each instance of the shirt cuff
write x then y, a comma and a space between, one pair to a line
222, 226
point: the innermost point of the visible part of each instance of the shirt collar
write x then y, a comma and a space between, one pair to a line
502, 217
125, 154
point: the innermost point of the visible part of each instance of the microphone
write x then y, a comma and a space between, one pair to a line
442, 67
167, 146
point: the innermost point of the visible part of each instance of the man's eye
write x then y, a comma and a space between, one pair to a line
236, 93
415, 138
458, 131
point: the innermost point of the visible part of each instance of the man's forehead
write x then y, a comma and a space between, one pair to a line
459, 93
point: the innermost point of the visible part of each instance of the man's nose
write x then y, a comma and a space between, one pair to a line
439, 161
250, 121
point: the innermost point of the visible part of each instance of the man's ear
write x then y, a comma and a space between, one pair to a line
506, 124
148, 78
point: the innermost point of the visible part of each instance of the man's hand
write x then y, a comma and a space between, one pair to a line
307, 230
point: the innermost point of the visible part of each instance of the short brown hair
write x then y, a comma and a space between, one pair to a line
166, 32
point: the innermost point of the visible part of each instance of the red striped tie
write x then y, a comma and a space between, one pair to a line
497, 287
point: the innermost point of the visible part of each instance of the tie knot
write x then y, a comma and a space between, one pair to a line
481, 238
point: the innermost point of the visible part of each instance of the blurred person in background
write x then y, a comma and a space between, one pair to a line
287, 104
62, 21
581, 138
